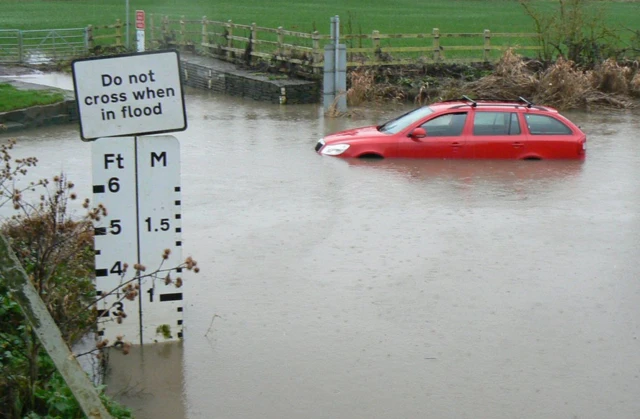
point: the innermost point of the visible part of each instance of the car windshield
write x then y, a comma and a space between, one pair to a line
398, 124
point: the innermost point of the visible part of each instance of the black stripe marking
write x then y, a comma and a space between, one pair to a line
98, 292
177, 189
179, 335
178, 243
178, 216
100, 332
98, 189
178, 270
178, 230
100, 231
179, 322
103, 313
177, 202
179, 309
102, 272
98, 252
176, 296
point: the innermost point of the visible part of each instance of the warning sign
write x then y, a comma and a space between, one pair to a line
131, 94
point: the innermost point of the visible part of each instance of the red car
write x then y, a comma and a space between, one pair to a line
465, 129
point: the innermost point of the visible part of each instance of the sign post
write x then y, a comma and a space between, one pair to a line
140, 26
137, 179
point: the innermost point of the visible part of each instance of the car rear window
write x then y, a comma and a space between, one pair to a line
546, 125
496, 123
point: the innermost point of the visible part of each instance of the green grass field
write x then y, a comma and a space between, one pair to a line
400, 16
12, 98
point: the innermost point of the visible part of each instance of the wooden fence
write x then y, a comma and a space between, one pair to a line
237, 42
250, 43
106, 36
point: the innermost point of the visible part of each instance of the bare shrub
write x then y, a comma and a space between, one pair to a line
511, 79
563, 86
362, 86
634, 85
610, 77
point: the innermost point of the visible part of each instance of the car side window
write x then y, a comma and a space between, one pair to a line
545, 125
496, 123
449, 125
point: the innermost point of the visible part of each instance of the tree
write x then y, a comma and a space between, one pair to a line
574, 29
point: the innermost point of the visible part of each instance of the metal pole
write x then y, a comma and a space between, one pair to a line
127, 22
335, 50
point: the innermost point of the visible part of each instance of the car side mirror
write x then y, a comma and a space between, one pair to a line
418, 133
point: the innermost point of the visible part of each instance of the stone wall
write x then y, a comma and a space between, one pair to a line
198, 72
39, 116
245, 84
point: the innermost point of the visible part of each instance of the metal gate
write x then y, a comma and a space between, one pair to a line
42, 46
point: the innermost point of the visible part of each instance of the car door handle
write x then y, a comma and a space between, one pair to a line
518, 144
456, 144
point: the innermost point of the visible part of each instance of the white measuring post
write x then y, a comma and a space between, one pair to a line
160, 228
116, 241
138, 180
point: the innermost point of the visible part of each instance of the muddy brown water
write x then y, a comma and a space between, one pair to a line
389, 289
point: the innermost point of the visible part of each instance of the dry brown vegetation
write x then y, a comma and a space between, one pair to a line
366, 88
562, 84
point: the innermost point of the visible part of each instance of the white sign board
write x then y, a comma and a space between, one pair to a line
131, 94
138, 181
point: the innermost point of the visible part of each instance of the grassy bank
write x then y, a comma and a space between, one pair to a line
401, 16
12, 98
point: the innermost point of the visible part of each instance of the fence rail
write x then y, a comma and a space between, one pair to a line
249, 43
42, 46
238, 42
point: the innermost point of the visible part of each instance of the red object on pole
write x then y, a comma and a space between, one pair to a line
139, 19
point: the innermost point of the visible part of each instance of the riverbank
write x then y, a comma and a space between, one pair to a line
63, 112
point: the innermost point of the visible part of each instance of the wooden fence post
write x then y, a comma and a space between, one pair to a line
280, 41
204, 31
375, 38
118, 33
229, 39
436, 44
315, 43
90, 37
151, 31
183, 41
253, 45
165, 28
487, 45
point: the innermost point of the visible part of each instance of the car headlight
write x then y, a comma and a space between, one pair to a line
335, 149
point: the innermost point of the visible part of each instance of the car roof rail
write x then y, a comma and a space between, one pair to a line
521, 101
468, 99
529, 104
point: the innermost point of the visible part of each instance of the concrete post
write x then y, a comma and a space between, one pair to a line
25, 294
335, 70
335, 78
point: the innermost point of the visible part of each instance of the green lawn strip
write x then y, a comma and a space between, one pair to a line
12, 98
357, 16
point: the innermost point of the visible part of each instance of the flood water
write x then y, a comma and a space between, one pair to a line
389, 289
